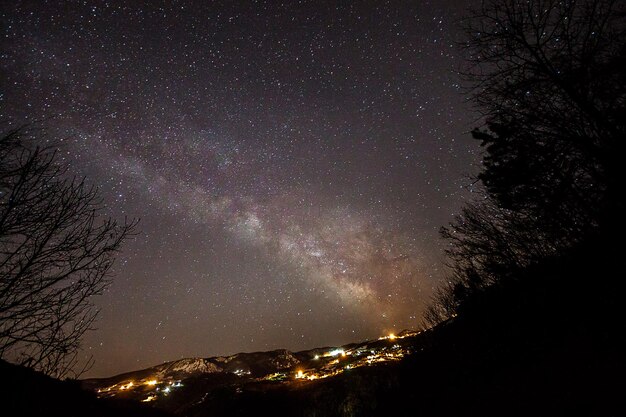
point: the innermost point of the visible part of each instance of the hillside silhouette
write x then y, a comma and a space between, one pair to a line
25, 392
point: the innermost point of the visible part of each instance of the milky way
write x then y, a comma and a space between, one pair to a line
291, 163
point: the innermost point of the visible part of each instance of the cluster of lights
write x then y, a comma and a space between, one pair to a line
389, 337
127, 386
241, 372
277, 376
392, 336
165, 387
336, 352
328, 368
311, 375
334, 367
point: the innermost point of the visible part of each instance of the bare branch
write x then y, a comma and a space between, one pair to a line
56, 252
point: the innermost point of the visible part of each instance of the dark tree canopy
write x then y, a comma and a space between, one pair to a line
549, 78
55, 254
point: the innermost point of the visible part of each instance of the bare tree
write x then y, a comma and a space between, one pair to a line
487, 244
55, 255
442, 307
549, 77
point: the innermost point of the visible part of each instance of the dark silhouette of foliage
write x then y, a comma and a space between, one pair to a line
55, 255
549, 78
486, 244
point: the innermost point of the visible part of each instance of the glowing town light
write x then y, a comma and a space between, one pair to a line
316, 357
127, 386
337, 352
152, 382
391, 336
299, 374
149, 398
167, 390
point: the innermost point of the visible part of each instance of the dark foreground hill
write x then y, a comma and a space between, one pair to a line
24, 392
549, 342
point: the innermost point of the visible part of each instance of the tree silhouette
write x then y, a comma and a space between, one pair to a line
55, 254
549, 78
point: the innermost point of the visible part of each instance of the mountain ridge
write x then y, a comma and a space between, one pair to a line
154, 382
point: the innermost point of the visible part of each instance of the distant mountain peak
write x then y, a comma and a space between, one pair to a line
189, 366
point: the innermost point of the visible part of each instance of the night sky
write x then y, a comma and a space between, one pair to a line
291, 162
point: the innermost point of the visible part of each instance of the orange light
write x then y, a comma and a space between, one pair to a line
127, 386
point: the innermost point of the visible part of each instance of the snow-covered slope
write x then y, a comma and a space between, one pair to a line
188, 367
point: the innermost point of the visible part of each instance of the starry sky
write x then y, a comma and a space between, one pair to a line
291, 162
